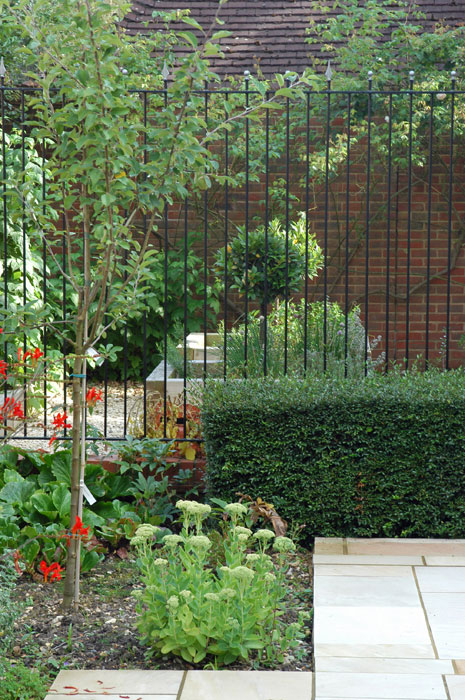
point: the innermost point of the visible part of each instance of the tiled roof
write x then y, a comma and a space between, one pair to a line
267, 33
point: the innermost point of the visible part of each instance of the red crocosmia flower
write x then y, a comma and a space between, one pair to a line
52, 440
35, 356
11, 409
3, 366
59, 421
77, 527
54, 569
56, 574
84, 531
18, 411
93, 396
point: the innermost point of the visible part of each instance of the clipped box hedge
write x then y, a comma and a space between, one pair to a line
381, 457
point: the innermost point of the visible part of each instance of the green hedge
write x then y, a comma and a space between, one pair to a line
379, 457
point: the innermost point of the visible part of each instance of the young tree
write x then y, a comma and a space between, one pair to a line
118, 155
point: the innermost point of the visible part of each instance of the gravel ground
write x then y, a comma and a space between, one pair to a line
102, 635
115, 407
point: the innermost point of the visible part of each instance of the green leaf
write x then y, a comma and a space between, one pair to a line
61, 498
107, 199
192, 22
90, 559
61, 467
190, 38
17, 492
30, 551
220, 35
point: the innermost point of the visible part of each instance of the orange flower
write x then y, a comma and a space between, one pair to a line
93, 396
54, 569
59, 421
3, 366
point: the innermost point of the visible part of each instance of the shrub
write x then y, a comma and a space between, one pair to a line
193, 609
299, 344
273, 266
381, 456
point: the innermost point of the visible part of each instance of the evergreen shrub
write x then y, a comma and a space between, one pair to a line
381, 456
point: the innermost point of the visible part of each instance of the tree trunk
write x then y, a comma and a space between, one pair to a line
68, 593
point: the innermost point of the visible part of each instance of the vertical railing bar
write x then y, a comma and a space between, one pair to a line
388, 237
428, 248
44, 273
286, 274
5, 222
246, 309
185, 314
226, 243
125, 350
205, 249
165, 295
144, 319
307, 205
267, 224
449, 221
409, 221
325, 271
64, 311
23, 216
346, 290
367, 219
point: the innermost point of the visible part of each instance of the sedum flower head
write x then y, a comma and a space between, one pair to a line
269, 577
232, 623
242, 573
243, 538
283, 544
172, 603
200, 542
146, 530
160, 562
214, 597
172, 540
137, 540
263, 535
193, 507
236, 509
227, 593
239, 530
252, 557
187, 595
225, 569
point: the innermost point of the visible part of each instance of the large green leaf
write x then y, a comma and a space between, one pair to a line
43, 503
61, 498
61, 467
17, 492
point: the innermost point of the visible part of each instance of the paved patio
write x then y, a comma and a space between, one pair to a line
389, 625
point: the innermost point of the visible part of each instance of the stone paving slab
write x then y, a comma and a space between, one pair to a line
456, 687
380, 559
247, 685
376, 685
161, 684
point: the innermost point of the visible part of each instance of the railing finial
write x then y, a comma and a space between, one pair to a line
165, 72
329, 72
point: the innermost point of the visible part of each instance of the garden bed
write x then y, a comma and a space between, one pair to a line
102, 635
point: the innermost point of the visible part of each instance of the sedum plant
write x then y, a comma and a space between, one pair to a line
191, 608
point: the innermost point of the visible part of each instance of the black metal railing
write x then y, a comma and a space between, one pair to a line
348, 208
